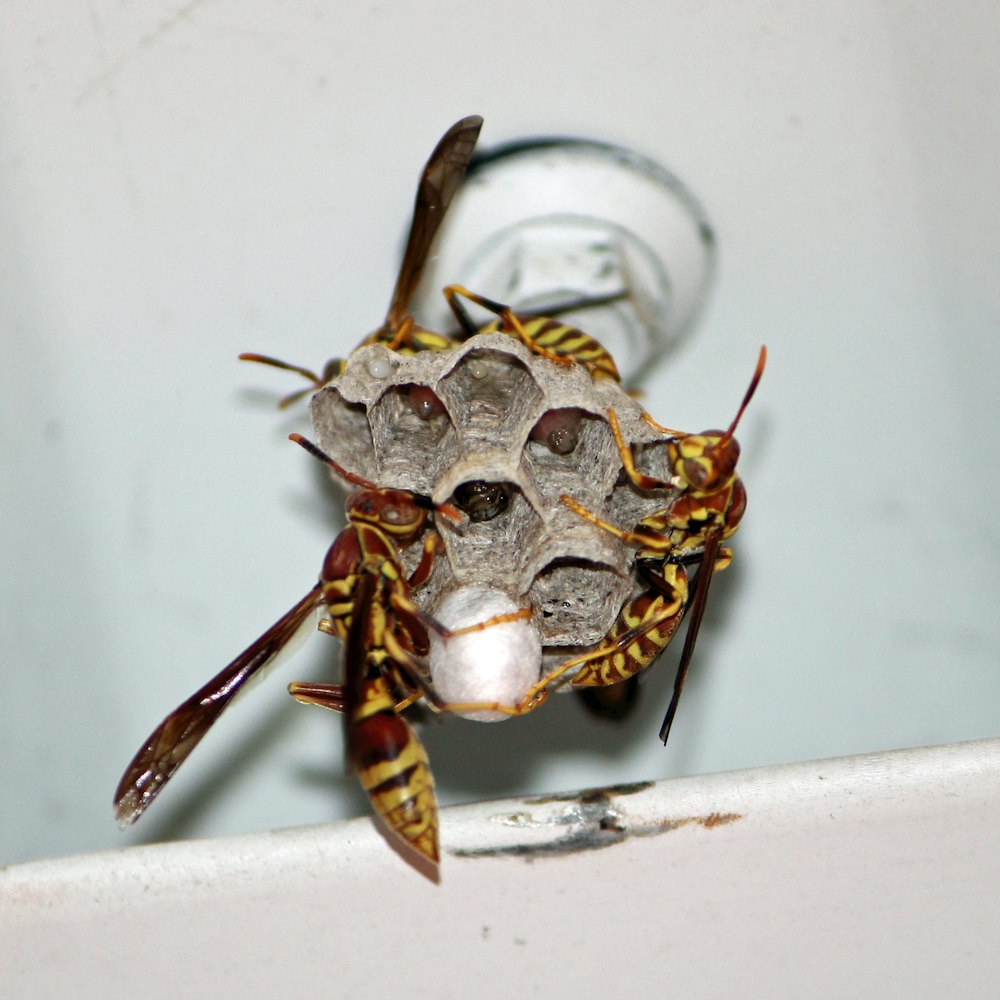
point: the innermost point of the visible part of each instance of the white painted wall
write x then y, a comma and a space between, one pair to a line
183, 181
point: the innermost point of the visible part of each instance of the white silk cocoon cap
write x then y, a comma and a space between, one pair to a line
496, 664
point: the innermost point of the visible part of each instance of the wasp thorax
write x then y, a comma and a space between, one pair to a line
481, 500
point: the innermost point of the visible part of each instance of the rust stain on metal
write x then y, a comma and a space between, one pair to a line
713, 820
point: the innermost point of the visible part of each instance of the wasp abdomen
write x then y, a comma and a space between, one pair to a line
393, 769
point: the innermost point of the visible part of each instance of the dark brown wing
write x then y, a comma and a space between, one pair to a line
695, 615
180, 732
440, 180
363, 636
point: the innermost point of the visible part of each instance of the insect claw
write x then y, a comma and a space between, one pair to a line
538, 699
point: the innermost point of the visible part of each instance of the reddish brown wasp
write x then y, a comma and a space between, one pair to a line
366, 595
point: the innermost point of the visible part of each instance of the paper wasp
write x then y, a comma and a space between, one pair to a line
365, 592
548, 337
687, 533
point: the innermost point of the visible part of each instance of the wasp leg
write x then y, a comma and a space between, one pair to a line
510, 323
648, 540
332, 696
640, 479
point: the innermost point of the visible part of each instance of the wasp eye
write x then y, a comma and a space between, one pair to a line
481, 500
697, 473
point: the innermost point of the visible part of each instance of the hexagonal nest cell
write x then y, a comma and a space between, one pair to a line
502, 433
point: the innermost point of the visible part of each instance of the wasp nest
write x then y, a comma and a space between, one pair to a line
502, 432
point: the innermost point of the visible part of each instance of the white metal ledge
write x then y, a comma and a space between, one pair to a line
864, 876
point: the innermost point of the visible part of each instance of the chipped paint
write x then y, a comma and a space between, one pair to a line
591, 821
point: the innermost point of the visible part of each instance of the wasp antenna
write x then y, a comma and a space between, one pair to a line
264, 359
365, 484
446, 509
751, 389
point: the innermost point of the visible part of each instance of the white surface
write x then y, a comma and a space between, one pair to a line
865, 877
183, 181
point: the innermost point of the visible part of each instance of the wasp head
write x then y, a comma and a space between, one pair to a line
396, 512
704, 463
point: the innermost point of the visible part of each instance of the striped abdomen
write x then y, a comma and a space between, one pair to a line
565, 341
393, 768
641, 632
409, 340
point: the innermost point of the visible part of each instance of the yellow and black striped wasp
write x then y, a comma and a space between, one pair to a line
688, 532
559, 342
550, 338
364, 592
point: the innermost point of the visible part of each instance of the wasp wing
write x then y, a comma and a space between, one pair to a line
439, 181
180, 732
695, 614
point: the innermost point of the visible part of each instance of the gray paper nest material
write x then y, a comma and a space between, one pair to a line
575, 575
